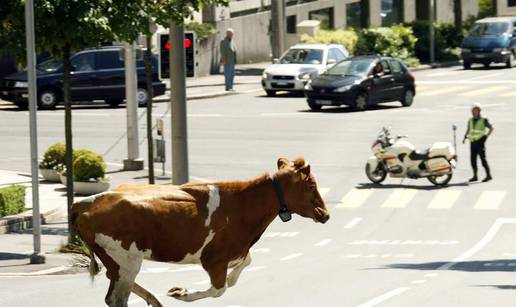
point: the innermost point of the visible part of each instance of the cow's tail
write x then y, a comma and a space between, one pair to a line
77, 209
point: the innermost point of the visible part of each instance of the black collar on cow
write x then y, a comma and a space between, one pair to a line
284, 214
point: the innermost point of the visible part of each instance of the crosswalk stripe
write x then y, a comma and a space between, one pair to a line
399, 198
490, 200
323, 192
483, 91
444, 90
355, 198
508, 94
444, 199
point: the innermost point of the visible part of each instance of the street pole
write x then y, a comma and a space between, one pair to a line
431, 17
278, 27
37, 257
133, 161
178, 104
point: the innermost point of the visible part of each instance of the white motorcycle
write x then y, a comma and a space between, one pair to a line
399, 158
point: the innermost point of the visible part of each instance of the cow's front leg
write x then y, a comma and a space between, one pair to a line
237, 270
218, 286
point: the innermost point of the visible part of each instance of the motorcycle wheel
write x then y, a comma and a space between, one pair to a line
378, 175
440, 180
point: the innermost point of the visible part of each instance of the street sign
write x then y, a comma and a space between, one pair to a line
189, 46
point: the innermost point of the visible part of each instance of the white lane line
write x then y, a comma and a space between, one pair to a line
260, 250
204, 115
483, 91
323, 242
418, 281
431, 275
490, 200
254, 268
448, 82
509, 94
444, 90
355, 198
400, 198
483, 242
291, 256
156, 270
354, 222
384, 297
444, 199
486, 76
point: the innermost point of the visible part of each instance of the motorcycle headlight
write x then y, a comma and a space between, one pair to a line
308, 86
304, 76
343, 88
265, 75
21, 84
466, 50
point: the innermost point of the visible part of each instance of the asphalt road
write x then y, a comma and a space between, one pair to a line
405, 243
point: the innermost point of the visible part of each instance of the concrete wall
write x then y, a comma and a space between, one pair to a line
504, 10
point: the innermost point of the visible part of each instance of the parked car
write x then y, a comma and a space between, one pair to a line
299, 64
360, 82
98, 74
490, 40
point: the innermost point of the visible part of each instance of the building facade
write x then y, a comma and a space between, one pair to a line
506, 7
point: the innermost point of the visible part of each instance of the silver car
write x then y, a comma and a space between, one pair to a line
299, 64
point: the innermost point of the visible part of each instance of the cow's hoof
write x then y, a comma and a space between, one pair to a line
177, 292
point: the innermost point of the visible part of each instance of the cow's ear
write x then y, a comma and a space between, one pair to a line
305, 172
299, 162
283, 163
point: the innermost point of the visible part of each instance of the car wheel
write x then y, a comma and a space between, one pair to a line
270, 93
314, 106
47, 99
142, 96
510, 61
467, 65
361, 101
114, 102
408, 98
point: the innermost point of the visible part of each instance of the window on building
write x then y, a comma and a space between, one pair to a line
325, 16
511, 2
291, 24
392, 12
353, 14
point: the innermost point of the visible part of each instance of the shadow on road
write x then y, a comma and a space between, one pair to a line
499, 265
414, 187
12, 256
347, 109
52, 229
499, 287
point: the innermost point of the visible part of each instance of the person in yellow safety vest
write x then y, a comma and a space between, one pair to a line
479, 129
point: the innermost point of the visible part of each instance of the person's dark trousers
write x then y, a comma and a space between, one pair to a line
478, 148
229, 75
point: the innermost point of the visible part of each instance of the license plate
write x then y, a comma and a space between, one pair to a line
282, 83
325, 102
479, 56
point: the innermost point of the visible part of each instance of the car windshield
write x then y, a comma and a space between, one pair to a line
489, 28
302, 56
358, 68
49, 65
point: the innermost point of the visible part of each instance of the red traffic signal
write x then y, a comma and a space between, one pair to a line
187, 43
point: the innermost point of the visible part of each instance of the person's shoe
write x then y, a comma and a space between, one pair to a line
473, 179
488, 178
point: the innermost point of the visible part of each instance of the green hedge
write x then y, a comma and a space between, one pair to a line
12, 200
347, 38
447, 41
89, 167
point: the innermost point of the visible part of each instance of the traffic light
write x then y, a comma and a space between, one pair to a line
189, 45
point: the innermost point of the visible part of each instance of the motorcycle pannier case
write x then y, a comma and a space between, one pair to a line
438, 165
442, 149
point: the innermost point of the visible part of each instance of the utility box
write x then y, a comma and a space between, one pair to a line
159, 151
309, 27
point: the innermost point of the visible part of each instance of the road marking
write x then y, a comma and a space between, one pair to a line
404, 242
254, 268
418, 281
156, 270
353, 223
448, 82
483, 242
444, 199
355, 198
431, 275
486, 76
260, 250
384, 297
510, 254
509, 94
291, 256
483, 91
444, 73
323, 242
323, 192
38, 273
444, 90
490, 200
400, 198
369, 256
204, 115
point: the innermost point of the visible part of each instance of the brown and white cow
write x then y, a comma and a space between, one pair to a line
212, 224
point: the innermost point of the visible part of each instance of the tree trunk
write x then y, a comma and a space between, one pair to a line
67, 69
457, 12
148, 77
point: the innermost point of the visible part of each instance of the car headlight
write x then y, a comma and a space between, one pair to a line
501, 50
304, 76
265, 75
343, 88
21, 84
466, 50
308, 86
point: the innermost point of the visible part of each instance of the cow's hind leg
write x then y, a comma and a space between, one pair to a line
237, 270
218, 285
149, 298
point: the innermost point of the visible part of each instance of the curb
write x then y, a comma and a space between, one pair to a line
436, 65
198, 97
23, 220
49, 271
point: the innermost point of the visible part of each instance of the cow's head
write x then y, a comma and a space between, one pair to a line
302, 196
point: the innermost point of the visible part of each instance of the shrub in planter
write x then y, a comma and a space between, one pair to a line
53, 160
12, 200
447, 41
88, 174
347, 38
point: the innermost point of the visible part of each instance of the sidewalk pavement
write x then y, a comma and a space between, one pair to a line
16, 246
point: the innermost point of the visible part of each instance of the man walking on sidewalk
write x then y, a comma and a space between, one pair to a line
477, 136
228, 58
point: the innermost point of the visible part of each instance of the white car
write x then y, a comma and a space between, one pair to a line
299, 64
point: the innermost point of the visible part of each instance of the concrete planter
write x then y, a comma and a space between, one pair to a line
62, 178
89, 188
50, 175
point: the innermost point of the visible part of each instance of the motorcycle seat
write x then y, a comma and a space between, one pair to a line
419, 155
